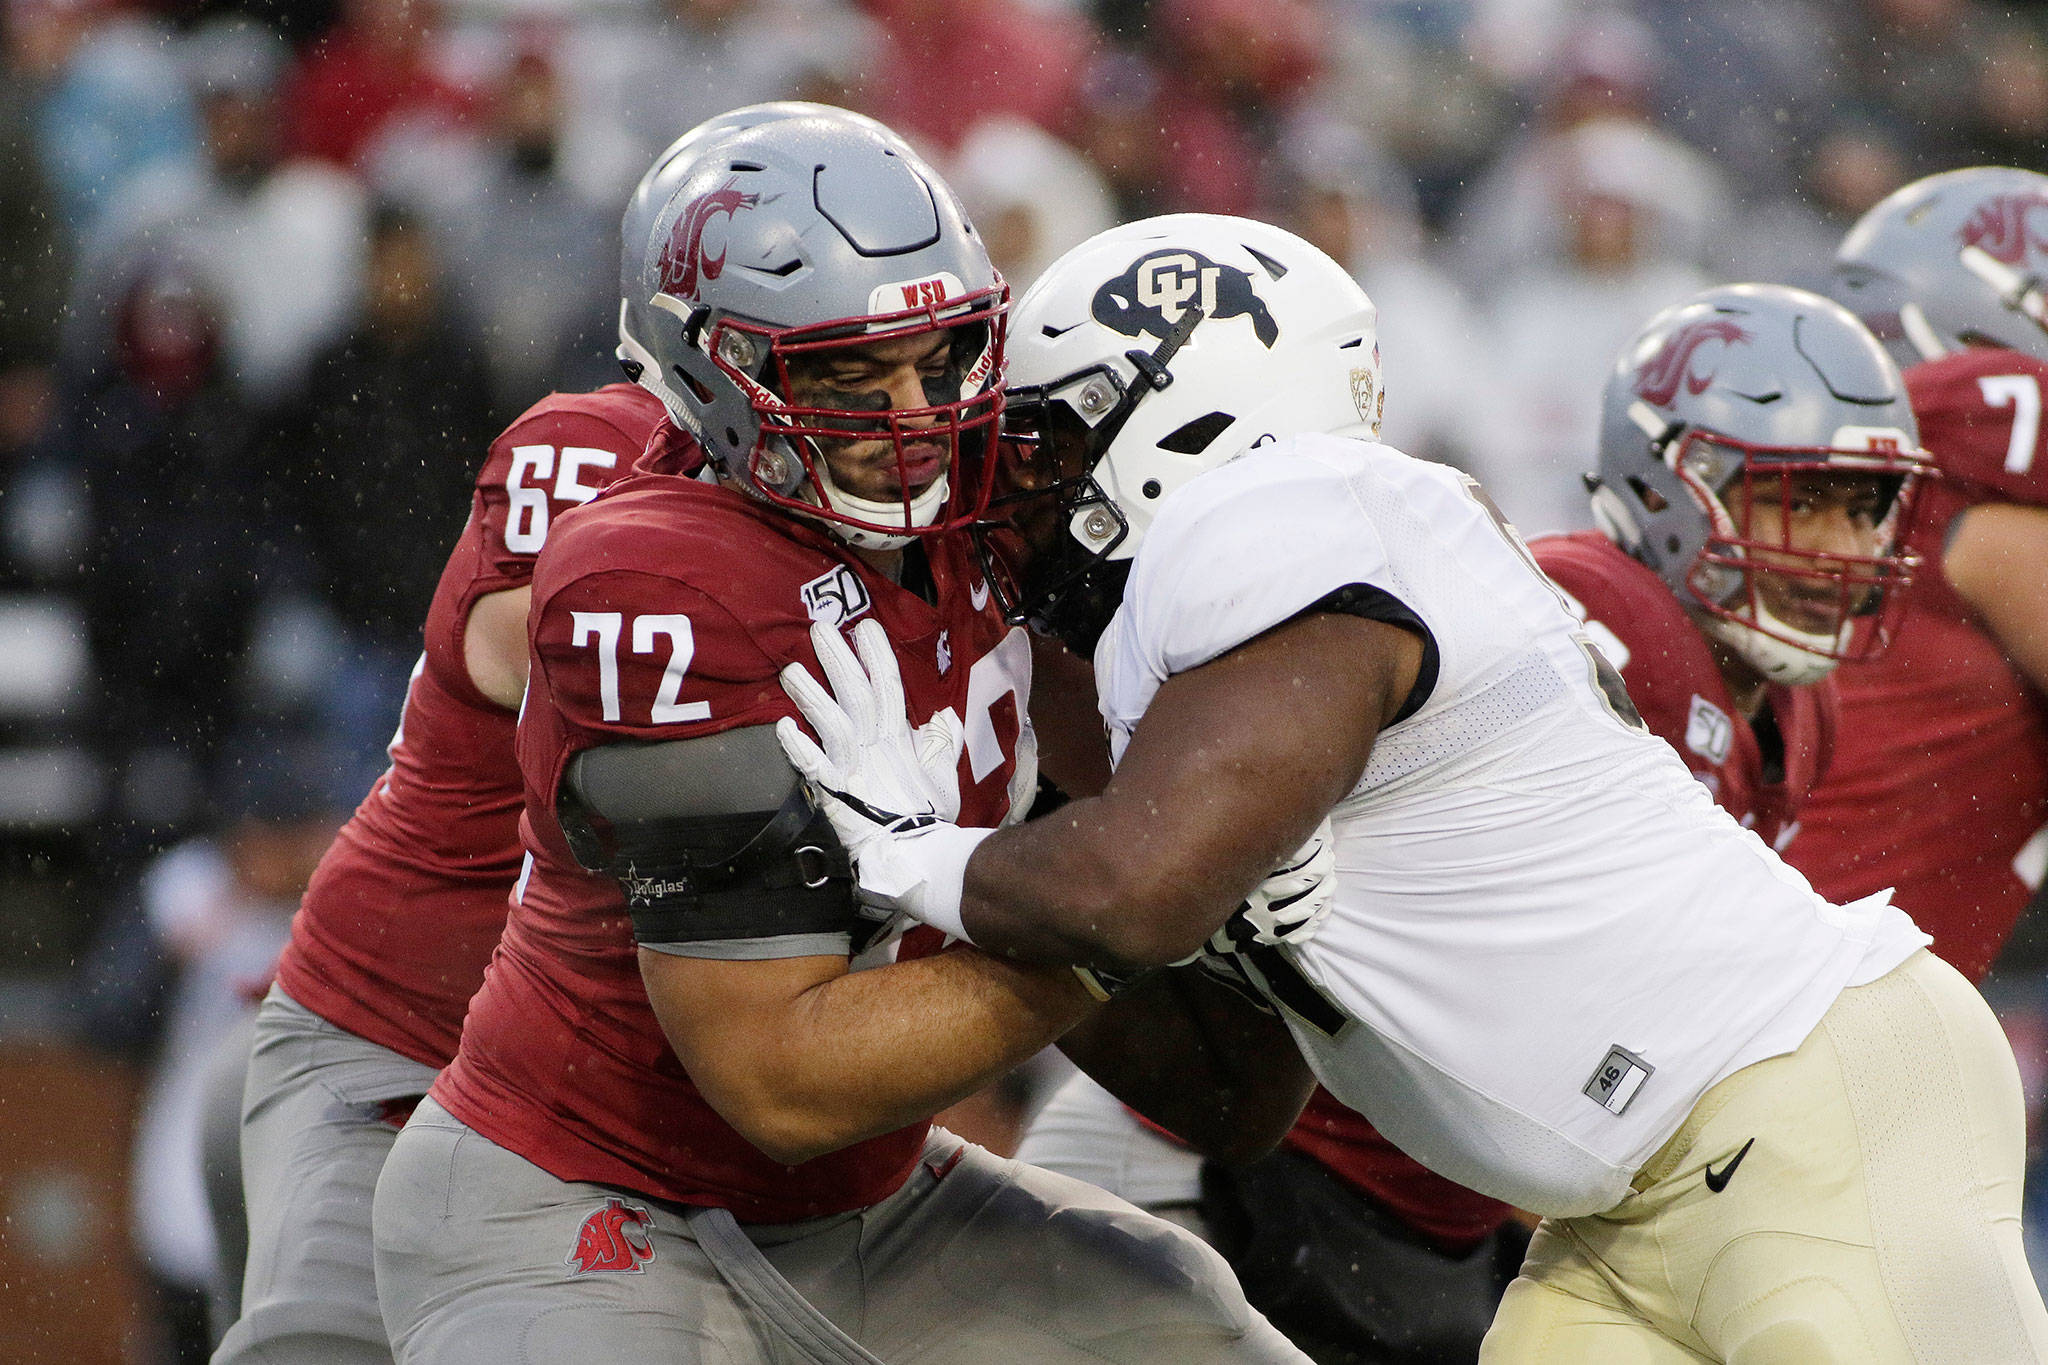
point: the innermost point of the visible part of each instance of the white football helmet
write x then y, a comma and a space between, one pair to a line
1143, 357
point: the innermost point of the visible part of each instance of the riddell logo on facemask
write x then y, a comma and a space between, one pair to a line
614, 1238
684, 262
2005, 227
1659, 378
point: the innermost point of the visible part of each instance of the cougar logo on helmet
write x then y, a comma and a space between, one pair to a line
1150, 297
613, 1238
683, 262
2002, 227
1659, 378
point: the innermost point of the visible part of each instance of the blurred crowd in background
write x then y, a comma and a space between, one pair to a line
273, 273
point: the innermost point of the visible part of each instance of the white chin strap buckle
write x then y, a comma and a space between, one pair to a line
924, 510
1777, 656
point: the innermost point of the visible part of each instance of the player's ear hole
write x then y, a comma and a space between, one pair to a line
1649, 496
1192, 438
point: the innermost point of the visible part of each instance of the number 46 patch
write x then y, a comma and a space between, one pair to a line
1618, 1080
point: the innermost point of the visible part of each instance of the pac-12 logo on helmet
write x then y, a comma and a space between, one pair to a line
683, 260
1150, 297
1659, 378
613, 1238
2003, 226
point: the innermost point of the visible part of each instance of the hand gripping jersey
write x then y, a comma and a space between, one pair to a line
664, 611
1939, 786
1547, 940
393, 933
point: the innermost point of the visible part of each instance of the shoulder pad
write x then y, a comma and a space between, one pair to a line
713, 839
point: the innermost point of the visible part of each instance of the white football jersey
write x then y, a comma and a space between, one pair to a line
1548, 941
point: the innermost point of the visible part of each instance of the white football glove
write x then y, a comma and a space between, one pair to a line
1023, 774
1290, 905
870, 769
880, 783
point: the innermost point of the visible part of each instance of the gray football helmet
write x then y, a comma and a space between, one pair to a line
783, 241
1952, 260
669, 170
1717, 400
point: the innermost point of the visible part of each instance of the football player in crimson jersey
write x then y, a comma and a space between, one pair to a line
681, 1125
393, 934
1939, 784
1751, 714
1747, 548
1538, 957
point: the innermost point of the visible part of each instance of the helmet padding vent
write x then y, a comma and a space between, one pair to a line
1192, 438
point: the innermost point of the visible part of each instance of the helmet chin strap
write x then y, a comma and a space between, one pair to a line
1779, 660
924, 510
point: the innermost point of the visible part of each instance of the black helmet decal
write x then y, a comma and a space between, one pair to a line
1149, 298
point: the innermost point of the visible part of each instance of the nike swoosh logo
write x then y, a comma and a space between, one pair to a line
978, 595
1717, 1181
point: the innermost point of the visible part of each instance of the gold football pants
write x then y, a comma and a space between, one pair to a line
1857, 1200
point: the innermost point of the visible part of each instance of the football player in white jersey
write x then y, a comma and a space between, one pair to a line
1544, 963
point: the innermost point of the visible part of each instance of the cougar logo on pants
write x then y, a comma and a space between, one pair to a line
613, 1238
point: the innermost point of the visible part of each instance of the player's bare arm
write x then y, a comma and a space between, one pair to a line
494, 645
1997, 561
1072, 750
804, 1057
1231, 769
1200, 1060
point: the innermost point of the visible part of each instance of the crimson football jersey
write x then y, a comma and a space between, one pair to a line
392, 936
1940, 781
663, 611
1665, 663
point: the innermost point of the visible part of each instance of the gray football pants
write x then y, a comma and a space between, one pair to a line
313, 1140
485, 1259
220, 1157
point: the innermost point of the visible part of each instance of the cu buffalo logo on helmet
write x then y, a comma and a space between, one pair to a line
2004, 226
1150, 297
684, 262
1671, 367
614, 1238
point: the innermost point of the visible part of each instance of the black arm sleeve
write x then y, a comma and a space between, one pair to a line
716, 844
